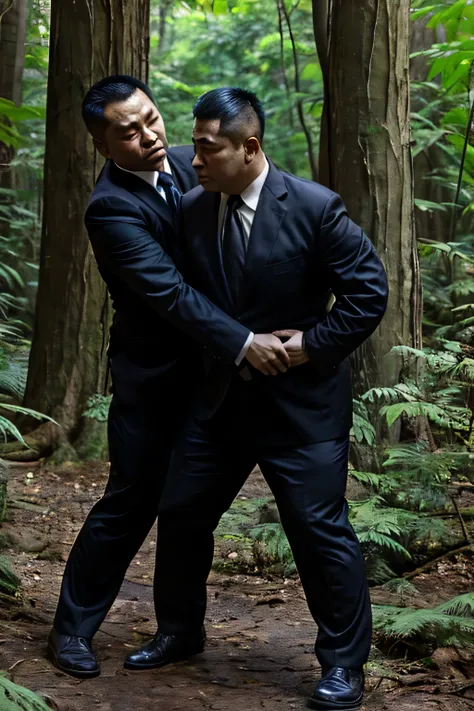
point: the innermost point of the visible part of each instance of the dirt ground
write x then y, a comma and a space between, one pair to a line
260, 634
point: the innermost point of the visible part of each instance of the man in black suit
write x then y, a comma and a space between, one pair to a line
267, 247
131, 221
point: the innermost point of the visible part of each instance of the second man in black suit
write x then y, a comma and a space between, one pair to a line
267, 247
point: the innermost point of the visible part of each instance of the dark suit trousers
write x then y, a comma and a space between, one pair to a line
143, 419
308, 482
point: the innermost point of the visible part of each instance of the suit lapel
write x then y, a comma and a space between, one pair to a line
144, 192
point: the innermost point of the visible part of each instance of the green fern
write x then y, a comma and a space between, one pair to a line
98, 407
362, 429
406, 392
401, 587
451, 623
13, 374
368, 478
8, 428
17, 698
447, 416
377, 525
273, 537
9, 582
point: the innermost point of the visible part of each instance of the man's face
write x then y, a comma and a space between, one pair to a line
220, 165
134, 136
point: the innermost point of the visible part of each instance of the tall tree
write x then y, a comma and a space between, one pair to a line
365, 156
13, 17
89, 39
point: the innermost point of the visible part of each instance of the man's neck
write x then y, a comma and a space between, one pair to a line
257, 169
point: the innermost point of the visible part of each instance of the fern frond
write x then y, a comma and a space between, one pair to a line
462, 605
405, 392
275, 541
17, 698
13, 374
437, 361
401, 587
9, 582
365, 477
362, 429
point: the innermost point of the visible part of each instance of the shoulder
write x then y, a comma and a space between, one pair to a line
308, 192
112, 205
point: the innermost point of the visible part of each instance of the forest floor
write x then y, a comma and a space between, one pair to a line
260, 634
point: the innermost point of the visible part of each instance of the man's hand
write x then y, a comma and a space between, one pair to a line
294, 346
267, 354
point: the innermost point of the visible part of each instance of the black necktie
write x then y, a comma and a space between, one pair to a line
173, 196
234, 246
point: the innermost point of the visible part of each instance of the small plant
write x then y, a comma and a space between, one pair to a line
9, 582
451, 623
273, 538
98, 407
17, 698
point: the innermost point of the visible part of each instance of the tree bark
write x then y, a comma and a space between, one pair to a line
13, 17
365, 157
90, 39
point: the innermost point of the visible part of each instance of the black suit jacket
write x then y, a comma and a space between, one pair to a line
302, 244
132, 232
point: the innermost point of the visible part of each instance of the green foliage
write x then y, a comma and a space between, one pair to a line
239, 43
362, 429
451, 623
17, 698
273, 537
401, 587
98, 407
9, 582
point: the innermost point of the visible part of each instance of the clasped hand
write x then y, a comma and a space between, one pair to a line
270, 356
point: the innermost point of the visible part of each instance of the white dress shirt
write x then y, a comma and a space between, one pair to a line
250, 197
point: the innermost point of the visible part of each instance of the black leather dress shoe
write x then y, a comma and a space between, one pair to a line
165, 649
341, 689
72, 655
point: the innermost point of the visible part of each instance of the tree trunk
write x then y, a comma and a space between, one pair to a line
366, 158
13, 20
13, 16
90, 39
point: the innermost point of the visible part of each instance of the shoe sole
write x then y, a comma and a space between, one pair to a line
331, 706
158, 665
71, 672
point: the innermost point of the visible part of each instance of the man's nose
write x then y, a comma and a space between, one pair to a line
149, 137
197, 162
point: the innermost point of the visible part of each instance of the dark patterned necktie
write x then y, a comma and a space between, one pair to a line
234, 247
173, 196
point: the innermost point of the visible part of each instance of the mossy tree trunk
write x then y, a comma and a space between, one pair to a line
365, 156
89, 40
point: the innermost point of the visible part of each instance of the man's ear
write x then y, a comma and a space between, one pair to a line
252, 148
101, 147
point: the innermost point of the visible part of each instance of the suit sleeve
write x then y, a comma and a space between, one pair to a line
359, 283
124, 245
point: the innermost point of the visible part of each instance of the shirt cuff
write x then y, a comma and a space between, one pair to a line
244, 350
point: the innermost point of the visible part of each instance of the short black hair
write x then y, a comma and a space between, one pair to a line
109, 90
235, 108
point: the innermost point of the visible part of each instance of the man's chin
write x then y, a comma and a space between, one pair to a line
209, 185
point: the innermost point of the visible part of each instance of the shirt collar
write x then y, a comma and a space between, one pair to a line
149, 176
251, 195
